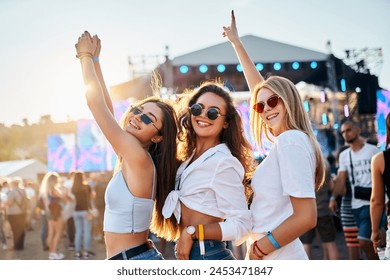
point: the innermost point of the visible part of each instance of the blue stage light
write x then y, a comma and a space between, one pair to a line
221, 68
277, 66
239, 68
313, 64
203, 68
295, 65
184, 69
306, 105
324, 119
259, 67
343, 85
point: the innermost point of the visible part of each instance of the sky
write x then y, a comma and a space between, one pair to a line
39, 74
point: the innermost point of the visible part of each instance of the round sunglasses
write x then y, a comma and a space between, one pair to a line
211, 113
144, 118
271, 102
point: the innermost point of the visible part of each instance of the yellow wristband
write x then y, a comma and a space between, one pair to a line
201, 239
201, 232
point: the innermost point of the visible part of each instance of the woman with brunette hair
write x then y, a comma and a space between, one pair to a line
145, 143
209, 201
284, 184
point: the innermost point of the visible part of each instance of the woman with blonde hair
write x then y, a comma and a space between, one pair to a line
284, 184
52, 195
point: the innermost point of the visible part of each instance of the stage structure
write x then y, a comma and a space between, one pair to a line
331, 91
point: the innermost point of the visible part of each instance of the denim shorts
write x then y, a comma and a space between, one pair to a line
215, 250
363, 222
152, 254
148, 252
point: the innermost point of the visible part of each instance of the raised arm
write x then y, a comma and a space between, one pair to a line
252, 76
98, 70
118, 138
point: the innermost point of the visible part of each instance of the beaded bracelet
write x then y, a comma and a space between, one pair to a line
80, 55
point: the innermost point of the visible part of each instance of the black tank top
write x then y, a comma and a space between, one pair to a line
386, 177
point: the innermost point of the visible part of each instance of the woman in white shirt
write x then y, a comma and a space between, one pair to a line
209, 201
284, 184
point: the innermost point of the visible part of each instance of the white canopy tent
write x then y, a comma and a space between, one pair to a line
26, 169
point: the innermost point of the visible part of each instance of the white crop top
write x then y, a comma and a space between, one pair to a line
212, 185
124, 212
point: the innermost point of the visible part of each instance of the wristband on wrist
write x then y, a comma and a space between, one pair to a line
201, 239
258, 248
332, 198
95, 59
255, 253
272, 239
80, 55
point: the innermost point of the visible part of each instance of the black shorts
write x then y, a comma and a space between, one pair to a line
326, 229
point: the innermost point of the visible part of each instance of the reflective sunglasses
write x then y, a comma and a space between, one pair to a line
212, 113
144, 118
271, 102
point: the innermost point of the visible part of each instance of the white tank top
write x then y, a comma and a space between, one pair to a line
124, 212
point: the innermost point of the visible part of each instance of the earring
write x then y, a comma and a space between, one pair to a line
226, 125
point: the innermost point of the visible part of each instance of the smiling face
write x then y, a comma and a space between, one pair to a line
203, 126
144, 121
274, 117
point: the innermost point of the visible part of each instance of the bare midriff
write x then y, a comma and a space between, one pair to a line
117, 242
192, 217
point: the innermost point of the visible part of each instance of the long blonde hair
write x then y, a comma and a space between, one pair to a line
296, 118
49, 184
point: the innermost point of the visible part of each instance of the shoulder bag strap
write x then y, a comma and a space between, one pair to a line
350, 161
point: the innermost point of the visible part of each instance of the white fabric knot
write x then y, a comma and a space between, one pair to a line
172, 206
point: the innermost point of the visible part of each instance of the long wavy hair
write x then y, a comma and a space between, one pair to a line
296, 118
164, 155
233, 135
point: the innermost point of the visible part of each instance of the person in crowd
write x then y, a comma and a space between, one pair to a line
44, 222
82, 193
355, 163
100, 189
3, 198
209, 198
146, 147
68, 211
52, 199
16, 212
284, 184
380, 173
31, 194
325, 223
347, 217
